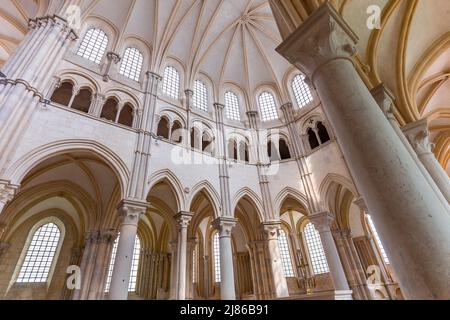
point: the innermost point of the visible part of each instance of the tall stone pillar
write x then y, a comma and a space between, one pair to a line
299, 154
144, 140
323, 221
385, 100
224, 176
227, 286
131, 212
28, 74
105, 241
183, 219
405, 207
279, 280
418, 135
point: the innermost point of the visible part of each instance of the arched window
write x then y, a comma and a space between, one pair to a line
216, 254
134, 265
40, 255
284, 150
63, 94
82, 101
312, 138
163, 128
126, 116
171, 82
232, 149
94, 45
195, 138
377, 239
302, 91
177, 132
285, 254
131, 66
200, 96
267, 107
323, 133
315, 248
207, 143
243, 152
272, 151
232, 106
110, 109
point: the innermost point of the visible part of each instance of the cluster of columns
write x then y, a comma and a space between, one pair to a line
411, 217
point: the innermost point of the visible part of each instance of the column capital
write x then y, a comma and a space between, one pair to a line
323, 37
108, 235
385, 99
219, 106
184, 218
7, 191
419, 136
271, 229
287, 106
114, 57
322, 221
131, 211
153, 75
189, 92
224, 225
361, 203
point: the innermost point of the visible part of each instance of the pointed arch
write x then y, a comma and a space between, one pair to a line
210, 192
23, 165
174, 183
250, 194
289, 192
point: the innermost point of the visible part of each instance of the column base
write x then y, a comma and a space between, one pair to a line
343, 295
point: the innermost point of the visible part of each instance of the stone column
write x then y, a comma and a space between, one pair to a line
105, 240
352, 266
29, 73
404, 205
173, 269
299, 154
271, 230
224, 177
189, 94
183, 220
227, 286
7, 193
263, 166
322, 222
144, 140
418, 135
385, 100
85, 267
131, 212
113, 59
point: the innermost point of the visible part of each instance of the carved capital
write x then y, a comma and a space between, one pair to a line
322, 221
108, 236
271, 230
131, 211
113, 57
184, 219
323, 37
361, 203
385, 99
224, 225
153, 75
7, 192
419, 137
